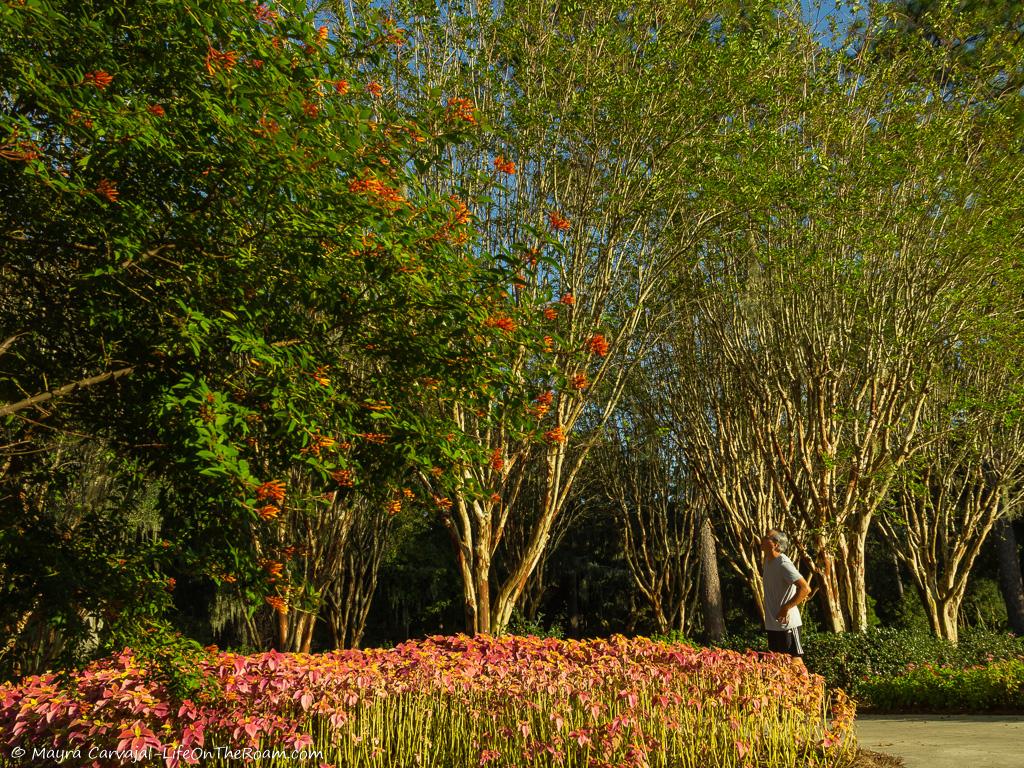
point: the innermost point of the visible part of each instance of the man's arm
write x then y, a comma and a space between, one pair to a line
803, 589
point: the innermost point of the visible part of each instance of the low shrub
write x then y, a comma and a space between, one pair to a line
846, 660
887, 669
998, 685
450, 702
521, 625
980, 646
748, 639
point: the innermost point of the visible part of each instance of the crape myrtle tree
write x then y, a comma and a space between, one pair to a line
349, 596
607, 125
579, 509
474, 478
967, 474
704, 399
219, 267
702, 393
658, 507
976, 34
966, 482
846, 296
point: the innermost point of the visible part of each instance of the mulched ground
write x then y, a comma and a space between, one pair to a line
868, 759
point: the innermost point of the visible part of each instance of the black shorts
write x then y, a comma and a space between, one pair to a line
786, 641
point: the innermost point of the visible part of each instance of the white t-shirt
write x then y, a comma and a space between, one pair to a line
780, 577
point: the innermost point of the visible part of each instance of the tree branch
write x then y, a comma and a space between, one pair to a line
67, 389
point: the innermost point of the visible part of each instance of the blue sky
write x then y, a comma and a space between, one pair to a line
818, 12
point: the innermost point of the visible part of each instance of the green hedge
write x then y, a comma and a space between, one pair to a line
889, 670
997, 686
848, 660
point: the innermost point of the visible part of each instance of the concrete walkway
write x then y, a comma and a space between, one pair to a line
946, 741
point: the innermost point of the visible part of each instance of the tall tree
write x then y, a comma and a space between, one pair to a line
623, 183
706, 410
966, 476
836, 304
658, 508
712, 607
218, 260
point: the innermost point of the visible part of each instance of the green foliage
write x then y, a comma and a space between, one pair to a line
84, 555
907, 613
418, 586
983, 606
519, 624
889, 669
997, 686
175, 660
969, 32
978, 646
846, 660
214, 203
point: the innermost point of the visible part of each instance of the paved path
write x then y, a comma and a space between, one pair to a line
946, 741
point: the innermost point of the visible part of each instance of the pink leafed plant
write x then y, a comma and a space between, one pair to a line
451, 701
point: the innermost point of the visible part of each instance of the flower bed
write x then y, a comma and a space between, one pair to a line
454, 702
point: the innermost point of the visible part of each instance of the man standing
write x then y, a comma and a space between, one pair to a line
784, 590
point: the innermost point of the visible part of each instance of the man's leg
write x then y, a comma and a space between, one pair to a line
798, 650
787, 641
778, 642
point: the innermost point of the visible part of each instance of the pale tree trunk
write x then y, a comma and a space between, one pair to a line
294, 629
482, 575
461, 532
477, 528
320, 527
829, 590
530, 499
710, 587
512, 588
620, 205
945, 512
943, 612
942, 590
657, 508
350, 594
850, 567
948, 619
